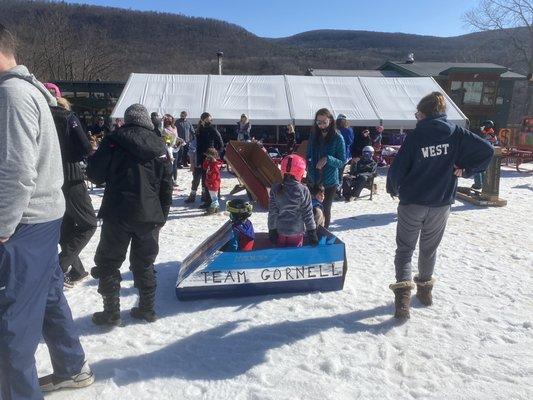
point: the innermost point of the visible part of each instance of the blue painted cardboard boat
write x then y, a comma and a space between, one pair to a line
211, 272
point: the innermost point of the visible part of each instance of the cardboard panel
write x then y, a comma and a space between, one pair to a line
205, 251
254, 168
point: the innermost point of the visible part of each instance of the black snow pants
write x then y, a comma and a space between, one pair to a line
111, 252
353, 185
78, 226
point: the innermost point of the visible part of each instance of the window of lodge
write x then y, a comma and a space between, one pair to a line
474, 93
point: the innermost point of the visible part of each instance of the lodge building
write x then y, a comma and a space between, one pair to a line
481, 90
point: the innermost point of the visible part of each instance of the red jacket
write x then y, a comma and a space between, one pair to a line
212, 174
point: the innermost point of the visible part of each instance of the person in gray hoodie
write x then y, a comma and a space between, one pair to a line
32, 304
290, 210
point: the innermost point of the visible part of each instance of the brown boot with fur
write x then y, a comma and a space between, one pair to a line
423, 291
402, 298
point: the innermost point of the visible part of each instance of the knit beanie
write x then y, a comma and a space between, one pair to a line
137, 114
55, 88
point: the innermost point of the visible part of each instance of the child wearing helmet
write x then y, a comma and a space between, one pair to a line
360, 173
243, 229
212, 166
290, 211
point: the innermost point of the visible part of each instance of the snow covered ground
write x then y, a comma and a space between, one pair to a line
476, 342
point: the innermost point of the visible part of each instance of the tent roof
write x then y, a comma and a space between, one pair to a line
278, 100
395, 100
166, 94
262, 98
341, 95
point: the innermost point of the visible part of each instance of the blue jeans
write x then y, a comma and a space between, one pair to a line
32, 305
175, 163
478, 179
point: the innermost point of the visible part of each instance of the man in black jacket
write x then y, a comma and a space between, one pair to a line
424, 176
79, 222
156, 120
208, 137
136, 169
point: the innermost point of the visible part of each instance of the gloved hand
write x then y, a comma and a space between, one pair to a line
313, 238
273, 235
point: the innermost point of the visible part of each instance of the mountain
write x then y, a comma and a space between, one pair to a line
66, 41
475, 47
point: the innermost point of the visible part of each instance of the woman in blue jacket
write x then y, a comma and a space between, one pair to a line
326, 154
424, 176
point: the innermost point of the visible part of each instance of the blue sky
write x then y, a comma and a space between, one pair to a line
278, 18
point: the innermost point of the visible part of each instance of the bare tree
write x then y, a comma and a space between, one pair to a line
502, 15
56, 49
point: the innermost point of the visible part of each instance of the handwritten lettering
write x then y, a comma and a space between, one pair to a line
229, 277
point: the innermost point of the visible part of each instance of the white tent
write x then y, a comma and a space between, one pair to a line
278, 100
395, 100
262, 98
341, 95
166, 94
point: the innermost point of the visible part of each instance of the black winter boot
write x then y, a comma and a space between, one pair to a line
111, 314
109, 288
145, 309
191, 198
423, 290
402, 298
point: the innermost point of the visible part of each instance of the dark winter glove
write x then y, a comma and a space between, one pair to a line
313, 238
273, 235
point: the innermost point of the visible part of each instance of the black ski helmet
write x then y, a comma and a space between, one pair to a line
488, 124
238, 209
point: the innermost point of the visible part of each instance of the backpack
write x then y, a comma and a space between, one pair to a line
71, 150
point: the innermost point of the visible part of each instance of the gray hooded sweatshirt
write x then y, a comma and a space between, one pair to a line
290, 210
31, 173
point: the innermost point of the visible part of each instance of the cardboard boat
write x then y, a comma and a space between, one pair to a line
211, 272
254, 168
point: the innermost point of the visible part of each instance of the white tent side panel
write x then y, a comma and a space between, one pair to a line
395, 100
166, 94
262, 98
341, 95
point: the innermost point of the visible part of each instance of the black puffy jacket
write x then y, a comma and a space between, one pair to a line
133, 163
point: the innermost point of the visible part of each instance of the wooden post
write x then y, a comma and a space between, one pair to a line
489, 196
491, 183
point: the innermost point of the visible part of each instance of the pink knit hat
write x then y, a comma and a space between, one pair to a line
55, 88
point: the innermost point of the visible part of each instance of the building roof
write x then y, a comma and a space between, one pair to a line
424, 68
353, 72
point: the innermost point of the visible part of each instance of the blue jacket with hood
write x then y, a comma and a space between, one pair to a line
335, 152
423, 170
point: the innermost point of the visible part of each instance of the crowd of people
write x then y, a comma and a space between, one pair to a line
44, 202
